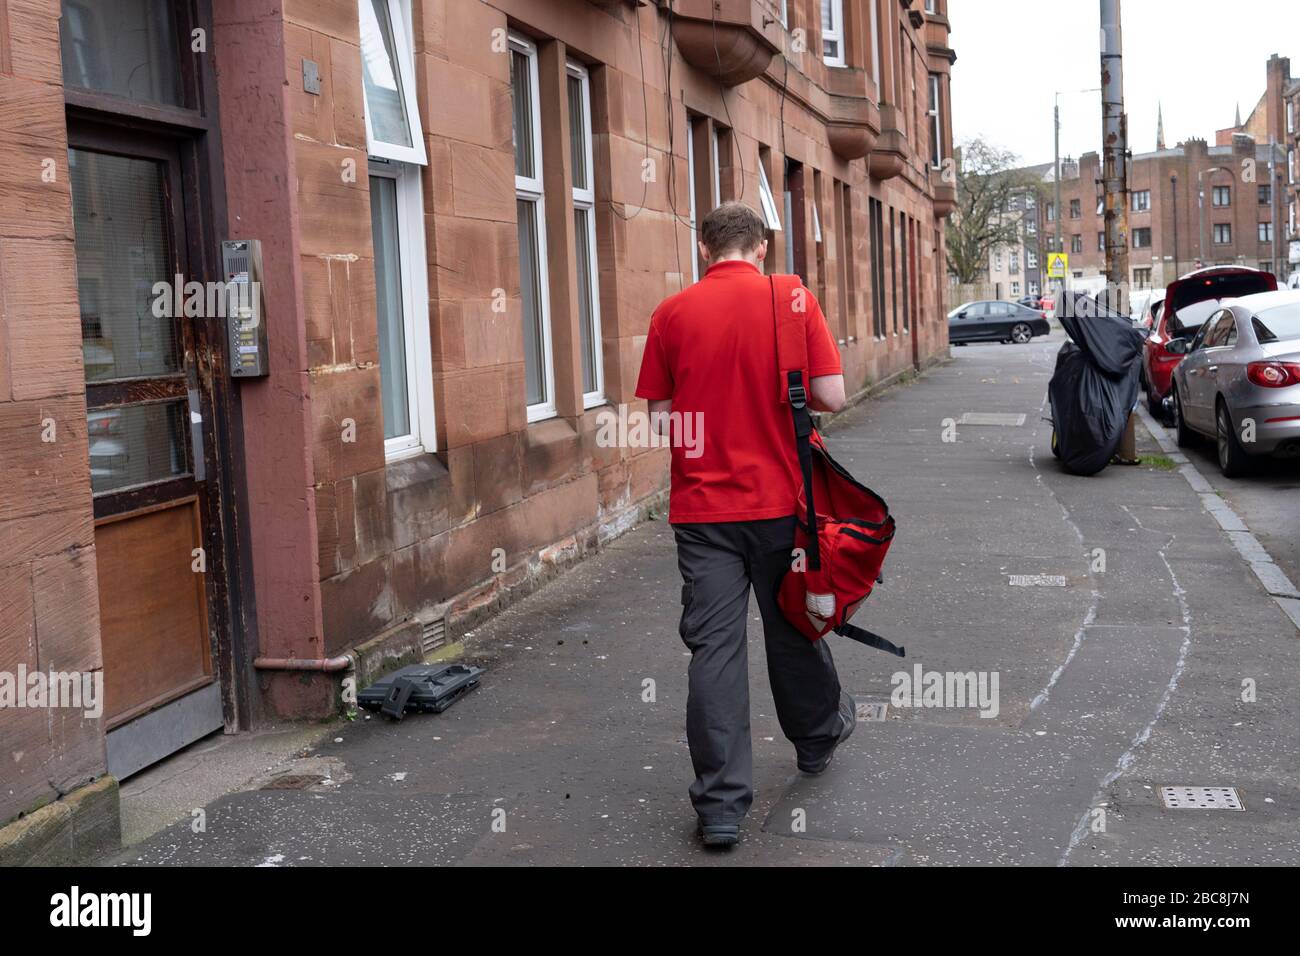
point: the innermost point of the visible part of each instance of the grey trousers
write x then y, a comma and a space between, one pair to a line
719, 563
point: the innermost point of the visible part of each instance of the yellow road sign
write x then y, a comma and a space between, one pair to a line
1058, 263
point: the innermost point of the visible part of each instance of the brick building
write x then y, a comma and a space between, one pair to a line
1219, 196
466, 213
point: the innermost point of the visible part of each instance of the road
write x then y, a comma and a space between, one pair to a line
1121, 667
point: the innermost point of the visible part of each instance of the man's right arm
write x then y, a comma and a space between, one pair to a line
827, 393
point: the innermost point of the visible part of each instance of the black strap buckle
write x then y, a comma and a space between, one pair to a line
798, 396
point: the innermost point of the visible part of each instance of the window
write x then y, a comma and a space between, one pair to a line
783, 9
936, 123
1031, 226
584, 234
122, 47
1142, 278
1222, 232
1101, 206
1015, 288
765, 197
692, 214
893, 268
1101, 242
1031, 259
931, 6
1141, 200
395, 143
875, 46
1265, 194
1076, 243
1222, 196
539, 374
1075, 209
1142, 238
833, 32
1265, 232
1051, 212
720, 148
1013, 263
997, 261
877, 217
388, 83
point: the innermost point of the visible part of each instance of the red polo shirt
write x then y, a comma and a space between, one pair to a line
712, 350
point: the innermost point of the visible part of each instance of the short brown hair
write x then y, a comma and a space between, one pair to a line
732, 227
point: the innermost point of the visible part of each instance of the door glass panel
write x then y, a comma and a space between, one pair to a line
119, 213
381, 76
123, 47
136, 444
392, 328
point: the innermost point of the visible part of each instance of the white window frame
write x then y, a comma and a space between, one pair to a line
767, 200
585, 199
716, 159
936, 122
399, 17
529, 189
834, 32
691, 126
817, 223
402, 165
1265, 227
414, 282
783, 7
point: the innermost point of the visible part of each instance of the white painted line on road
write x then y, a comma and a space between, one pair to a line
1266, 570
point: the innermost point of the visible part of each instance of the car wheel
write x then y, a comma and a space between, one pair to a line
1056, 448
1021, 333
1155, 404
1182, 434
1233, 460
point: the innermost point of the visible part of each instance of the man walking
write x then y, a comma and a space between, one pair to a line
711, 351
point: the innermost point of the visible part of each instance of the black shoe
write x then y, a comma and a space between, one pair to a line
849, 716
719, 834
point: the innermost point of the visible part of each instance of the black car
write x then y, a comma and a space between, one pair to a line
995, 321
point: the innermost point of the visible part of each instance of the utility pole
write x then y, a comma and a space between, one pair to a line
1114, 140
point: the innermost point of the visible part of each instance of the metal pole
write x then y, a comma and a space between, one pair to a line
1114, 126
1057, 238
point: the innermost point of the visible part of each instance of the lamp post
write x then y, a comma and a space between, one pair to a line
1173, 184
1059, 238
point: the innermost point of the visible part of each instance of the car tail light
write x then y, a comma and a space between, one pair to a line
1274, 374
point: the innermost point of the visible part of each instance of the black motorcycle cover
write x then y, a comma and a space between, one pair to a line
1095, 385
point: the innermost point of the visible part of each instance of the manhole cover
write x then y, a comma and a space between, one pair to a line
872, 711
1201, 798
1037, 580
294, 781
1006, 419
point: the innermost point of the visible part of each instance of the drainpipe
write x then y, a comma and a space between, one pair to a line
328, 665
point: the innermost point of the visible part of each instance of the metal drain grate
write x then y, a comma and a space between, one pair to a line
1037, 580
294, 781
1005, 419
1201, 798
872, 711
433, 634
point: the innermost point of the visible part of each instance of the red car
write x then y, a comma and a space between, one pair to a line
1189, 301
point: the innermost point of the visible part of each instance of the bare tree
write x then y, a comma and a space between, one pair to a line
987, 181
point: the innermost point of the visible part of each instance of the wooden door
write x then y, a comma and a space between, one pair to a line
144, 419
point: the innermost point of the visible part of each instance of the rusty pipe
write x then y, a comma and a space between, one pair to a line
328, 665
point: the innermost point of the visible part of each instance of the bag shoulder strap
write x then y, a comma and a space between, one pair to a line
792, 368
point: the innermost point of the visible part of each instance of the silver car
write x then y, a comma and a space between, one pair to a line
1240, 381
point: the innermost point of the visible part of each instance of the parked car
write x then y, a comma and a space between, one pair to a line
1240, 380
995, 321
1293, 282
1189, 301
1028, 301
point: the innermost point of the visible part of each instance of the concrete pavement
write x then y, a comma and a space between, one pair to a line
1121, 659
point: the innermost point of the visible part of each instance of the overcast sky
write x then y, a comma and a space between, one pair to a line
1200, 58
